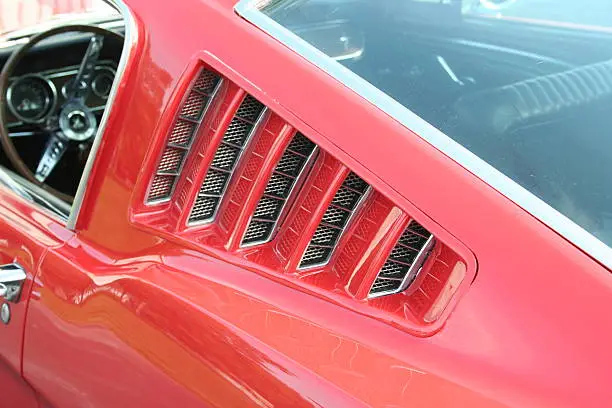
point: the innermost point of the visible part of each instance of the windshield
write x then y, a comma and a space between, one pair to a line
531, 94
24, 14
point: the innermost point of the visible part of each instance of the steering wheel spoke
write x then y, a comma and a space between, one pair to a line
55, 149
82, 81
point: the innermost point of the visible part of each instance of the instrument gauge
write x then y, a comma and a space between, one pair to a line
30, 98
102, 83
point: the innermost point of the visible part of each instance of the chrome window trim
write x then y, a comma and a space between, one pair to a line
129, 44
571, 231
34, 194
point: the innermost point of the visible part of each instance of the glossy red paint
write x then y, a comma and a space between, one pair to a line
124, 313
26, 236
226, 348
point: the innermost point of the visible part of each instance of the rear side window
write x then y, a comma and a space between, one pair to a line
526, 85
591, 13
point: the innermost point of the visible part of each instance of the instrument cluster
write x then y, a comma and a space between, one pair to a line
33, 97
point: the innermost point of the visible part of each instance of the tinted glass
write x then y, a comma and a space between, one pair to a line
524, 84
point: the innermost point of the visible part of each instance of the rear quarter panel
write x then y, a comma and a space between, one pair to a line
192, 331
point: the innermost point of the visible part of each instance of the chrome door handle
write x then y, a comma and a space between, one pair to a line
12, 277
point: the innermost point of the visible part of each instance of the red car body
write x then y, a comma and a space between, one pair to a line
127, 309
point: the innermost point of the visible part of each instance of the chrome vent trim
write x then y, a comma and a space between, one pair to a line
193, 109
288, 175
405, 261
243, 125
336, 219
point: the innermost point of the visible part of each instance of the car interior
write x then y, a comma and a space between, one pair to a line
531, 99
55, 86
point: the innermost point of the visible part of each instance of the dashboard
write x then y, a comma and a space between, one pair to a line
34, 97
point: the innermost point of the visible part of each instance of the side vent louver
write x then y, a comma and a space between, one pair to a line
405, 261
181, 136
335, 219
234, 178
234, 141
292, 165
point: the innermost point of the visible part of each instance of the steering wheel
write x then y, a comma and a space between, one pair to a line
72, 122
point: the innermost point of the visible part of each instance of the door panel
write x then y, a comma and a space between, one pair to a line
16, 393
25, 236
96, 349
175, 328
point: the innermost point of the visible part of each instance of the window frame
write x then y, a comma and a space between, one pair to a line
37, 196
587, 242
41, 198
129, 43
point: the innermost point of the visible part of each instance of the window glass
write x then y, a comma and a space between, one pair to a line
58, 86
17, 15
583, 12
524, 84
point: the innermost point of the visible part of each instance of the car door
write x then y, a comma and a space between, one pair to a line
27, 233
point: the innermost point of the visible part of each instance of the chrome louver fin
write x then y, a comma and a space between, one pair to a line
336, 218
235, 139
287, 174
405, 261
181, 136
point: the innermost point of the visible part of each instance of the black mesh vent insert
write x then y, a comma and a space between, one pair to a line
288, 170
334, 221
225, 160
181, 136
405, 261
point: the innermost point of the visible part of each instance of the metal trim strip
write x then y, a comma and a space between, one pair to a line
414, 270
232, 172
298, 182
187, 147
129, 47
349, 222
